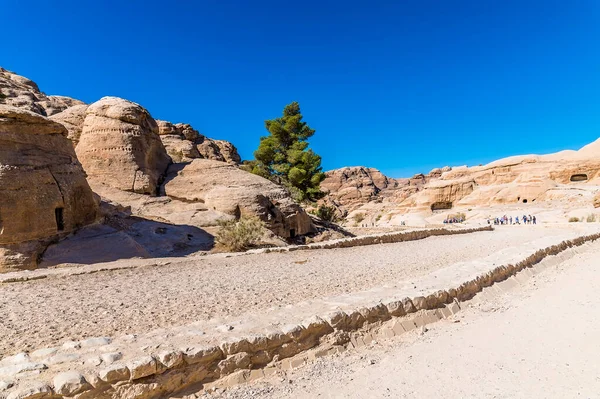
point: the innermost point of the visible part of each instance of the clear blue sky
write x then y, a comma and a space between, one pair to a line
402, 86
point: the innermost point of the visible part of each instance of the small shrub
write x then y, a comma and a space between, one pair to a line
2, 97
359, 217
591, 218
239, 235
573, 219
378, 218
326, 213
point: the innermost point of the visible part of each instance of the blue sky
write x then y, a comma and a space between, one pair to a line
402, 86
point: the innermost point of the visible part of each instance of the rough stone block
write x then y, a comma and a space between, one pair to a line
408, 325
33, 390
397, 327
110, 358
202, 355
170, 359
43, 353
61, 358
454, 307
19, 368
431, 316
97, 341
419, 321
15, 359
70, 383
142, 367
114, 373
396, 308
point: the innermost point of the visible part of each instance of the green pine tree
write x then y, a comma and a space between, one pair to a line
284, 157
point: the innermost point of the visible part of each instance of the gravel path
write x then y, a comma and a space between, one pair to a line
529, 343
46, 312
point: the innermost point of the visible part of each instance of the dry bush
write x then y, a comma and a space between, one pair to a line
359, 217
239, 235
591, 218
573, 219
327, 213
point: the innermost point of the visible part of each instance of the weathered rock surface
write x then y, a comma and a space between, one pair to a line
226, 189
72, 118
20, 92
184, 143
569, 178
43, 187
120, 146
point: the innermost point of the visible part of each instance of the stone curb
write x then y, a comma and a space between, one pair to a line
254, 357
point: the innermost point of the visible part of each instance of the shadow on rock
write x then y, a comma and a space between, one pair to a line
125, 238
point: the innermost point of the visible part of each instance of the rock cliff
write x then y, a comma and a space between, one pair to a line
120, 146
184, 143
20, 92
43, 187
231, 191
568, 179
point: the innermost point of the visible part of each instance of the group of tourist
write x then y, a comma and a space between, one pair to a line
459, 219
525, 219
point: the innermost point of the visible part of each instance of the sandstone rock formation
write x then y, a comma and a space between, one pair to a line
20, 92
184, 143
43, 188
72, 118
597, 200
229, 190
567, 178
120, 146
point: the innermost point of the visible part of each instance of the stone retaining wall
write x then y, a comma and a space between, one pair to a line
371, 239
189, 369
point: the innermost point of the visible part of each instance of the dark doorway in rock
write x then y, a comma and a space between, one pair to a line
518, 199
579, 177
436, 206
60, 221
524, 200
292, 233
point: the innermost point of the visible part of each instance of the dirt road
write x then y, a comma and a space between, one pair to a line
49, 311
541, 340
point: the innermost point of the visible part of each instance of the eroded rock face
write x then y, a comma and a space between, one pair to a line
43, 188
568, 178
20, 92
184, 143
225, 188
72, 118
120, 146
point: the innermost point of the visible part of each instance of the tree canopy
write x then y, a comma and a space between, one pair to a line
284, 157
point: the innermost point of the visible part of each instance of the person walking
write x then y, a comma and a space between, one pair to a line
534, 220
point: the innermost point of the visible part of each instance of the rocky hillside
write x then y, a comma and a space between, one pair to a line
160, 188
567, 179
23, 93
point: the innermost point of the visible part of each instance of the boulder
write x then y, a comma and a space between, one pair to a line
20, 92
43, 188
120, 146
72, 118
597, 200
183, 143
227, 189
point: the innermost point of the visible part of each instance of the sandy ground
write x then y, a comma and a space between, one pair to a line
537, 341
46, 312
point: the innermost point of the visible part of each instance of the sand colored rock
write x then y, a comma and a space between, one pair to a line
183, 143
120, 146
227, 189
72, 118
20, 92
568, 179
597, 200
44, 192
